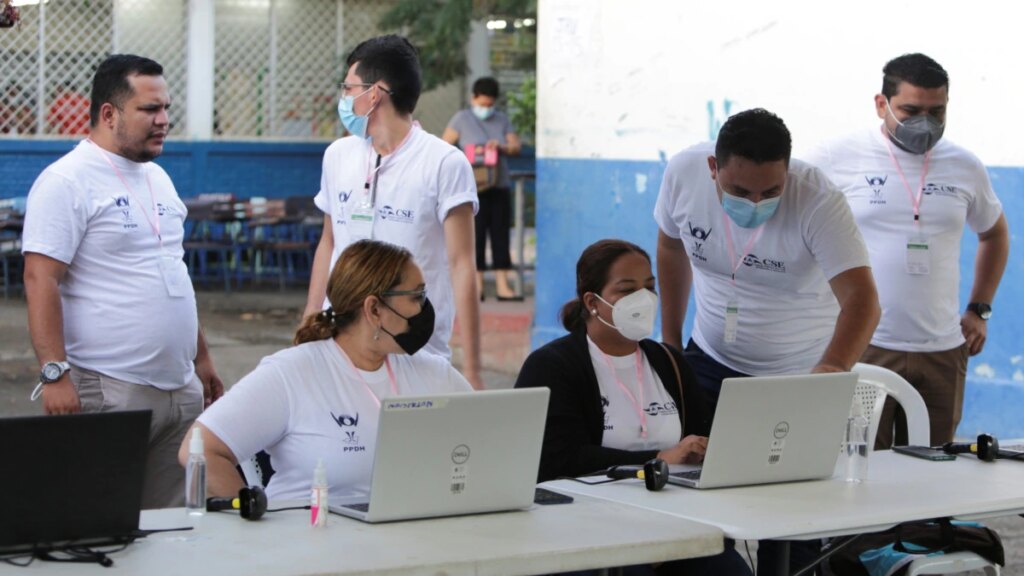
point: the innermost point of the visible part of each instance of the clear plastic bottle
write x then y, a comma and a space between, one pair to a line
318, 499
195, 476
856, 445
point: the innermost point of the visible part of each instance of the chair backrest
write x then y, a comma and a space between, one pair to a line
874, 385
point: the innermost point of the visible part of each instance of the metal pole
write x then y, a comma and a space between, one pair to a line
41, 97
273, 68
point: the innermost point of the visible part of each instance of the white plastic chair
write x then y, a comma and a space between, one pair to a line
873, 385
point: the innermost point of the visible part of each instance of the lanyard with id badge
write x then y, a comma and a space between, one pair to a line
918, 253
732, 305
361, 217
172, 269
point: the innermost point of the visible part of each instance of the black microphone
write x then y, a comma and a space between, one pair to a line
986, 447
654, 473
251, 503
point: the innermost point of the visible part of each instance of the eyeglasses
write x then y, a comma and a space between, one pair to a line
417, 295
346, 86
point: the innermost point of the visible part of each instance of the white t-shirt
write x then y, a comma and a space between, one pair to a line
119, 317
920, 313
621, 415
787, 312
308, 402
417, 185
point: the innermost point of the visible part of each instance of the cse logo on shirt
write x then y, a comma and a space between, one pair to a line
351, 439
396, 214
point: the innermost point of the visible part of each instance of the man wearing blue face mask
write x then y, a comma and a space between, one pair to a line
486, 134
911, 192
389, 180
780, 272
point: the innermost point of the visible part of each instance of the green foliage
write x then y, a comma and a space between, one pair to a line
440, 30
522, 108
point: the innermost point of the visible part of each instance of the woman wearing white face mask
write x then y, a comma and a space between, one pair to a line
616, 397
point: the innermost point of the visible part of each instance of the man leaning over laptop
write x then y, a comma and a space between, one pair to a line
781, 275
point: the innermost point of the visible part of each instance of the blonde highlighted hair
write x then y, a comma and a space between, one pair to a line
365, 268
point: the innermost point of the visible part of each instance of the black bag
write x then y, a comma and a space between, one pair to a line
904, 543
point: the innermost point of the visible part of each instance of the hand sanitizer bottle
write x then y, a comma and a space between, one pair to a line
195, 475
856, 445
318, 499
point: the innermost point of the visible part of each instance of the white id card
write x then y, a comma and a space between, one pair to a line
360, 222
732, 315
175, 276
918, 256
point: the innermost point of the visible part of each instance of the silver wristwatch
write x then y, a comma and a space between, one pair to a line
53, 371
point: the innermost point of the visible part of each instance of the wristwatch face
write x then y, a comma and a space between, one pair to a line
52, 372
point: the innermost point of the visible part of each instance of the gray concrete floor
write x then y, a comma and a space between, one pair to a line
244, 327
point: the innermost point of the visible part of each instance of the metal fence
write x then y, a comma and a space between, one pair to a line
277, 63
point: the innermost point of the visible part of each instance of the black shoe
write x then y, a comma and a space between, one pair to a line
483, 296
509, 298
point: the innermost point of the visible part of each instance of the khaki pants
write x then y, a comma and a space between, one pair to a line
938, 376
173, 415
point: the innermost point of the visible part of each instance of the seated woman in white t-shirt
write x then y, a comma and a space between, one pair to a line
321, 398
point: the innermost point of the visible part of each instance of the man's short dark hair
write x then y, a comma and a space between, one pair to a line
393, 60
914, 69
110, 84
757, 135
485, 86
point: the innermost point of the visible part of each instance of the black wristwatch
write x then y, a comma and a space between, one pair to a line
53, 371
983, 310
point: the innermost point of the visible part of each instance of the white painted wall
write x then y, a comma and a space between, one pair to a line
630, 80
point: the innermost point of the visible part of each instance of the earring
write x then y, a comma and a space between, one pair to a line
593, 311
376, 334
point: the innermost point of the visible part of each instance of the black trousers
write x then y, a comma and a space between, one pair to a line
494, 218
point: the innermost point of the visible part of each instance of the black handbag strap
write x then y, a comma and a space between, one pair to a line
679, 383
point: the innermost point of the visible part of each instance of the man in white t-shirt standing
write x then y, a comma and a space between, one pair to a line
780, 272
111, 309
911, 193
389, 180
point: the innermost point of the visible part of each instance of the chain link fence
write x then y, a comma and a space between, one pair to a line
277, 63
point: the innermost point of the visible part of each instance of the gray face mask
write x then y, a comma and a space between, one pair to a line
917, 134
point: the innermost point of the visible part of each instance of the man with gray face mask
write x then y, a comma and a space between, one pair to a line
911, 193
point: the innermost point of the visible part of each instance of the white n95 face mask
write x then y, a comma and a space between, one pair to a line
633, 314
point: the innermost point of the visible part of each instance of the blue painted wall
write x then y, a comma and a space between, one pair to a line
268, 169
584, 200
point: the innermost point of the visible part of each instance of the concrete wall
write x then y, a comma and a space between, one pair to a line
620, 90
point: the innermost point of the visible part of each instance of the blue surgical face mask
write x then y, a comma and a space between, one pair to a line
747, 214
483, 112
353, 122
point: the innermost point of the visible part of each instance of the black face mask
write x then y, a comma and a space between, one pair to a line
421, 328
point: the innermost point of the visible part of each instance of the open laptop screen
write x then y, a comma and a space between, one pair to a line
74, 479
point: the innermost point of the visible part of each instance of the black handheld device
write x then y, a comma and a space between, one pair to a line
925, 452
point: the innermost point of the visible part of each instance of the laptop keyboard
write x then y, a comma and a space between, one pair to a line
359, 507
688, 475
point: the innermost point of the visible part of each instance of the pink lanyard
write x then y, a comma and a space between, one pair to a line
638, 406
373, 173
733, 262
152, 198
387, 363
914, 201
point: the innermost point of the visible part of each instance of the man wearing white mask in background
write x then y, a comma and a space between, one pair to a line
389, 180
781, 276
911, 192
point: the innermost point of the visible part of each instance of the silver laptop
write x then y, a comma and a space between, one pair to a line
453, 454
774, 429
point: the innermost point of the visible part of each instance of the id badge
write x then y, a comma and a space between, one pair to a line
918, 256
360, 222
732, 316
175, 276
